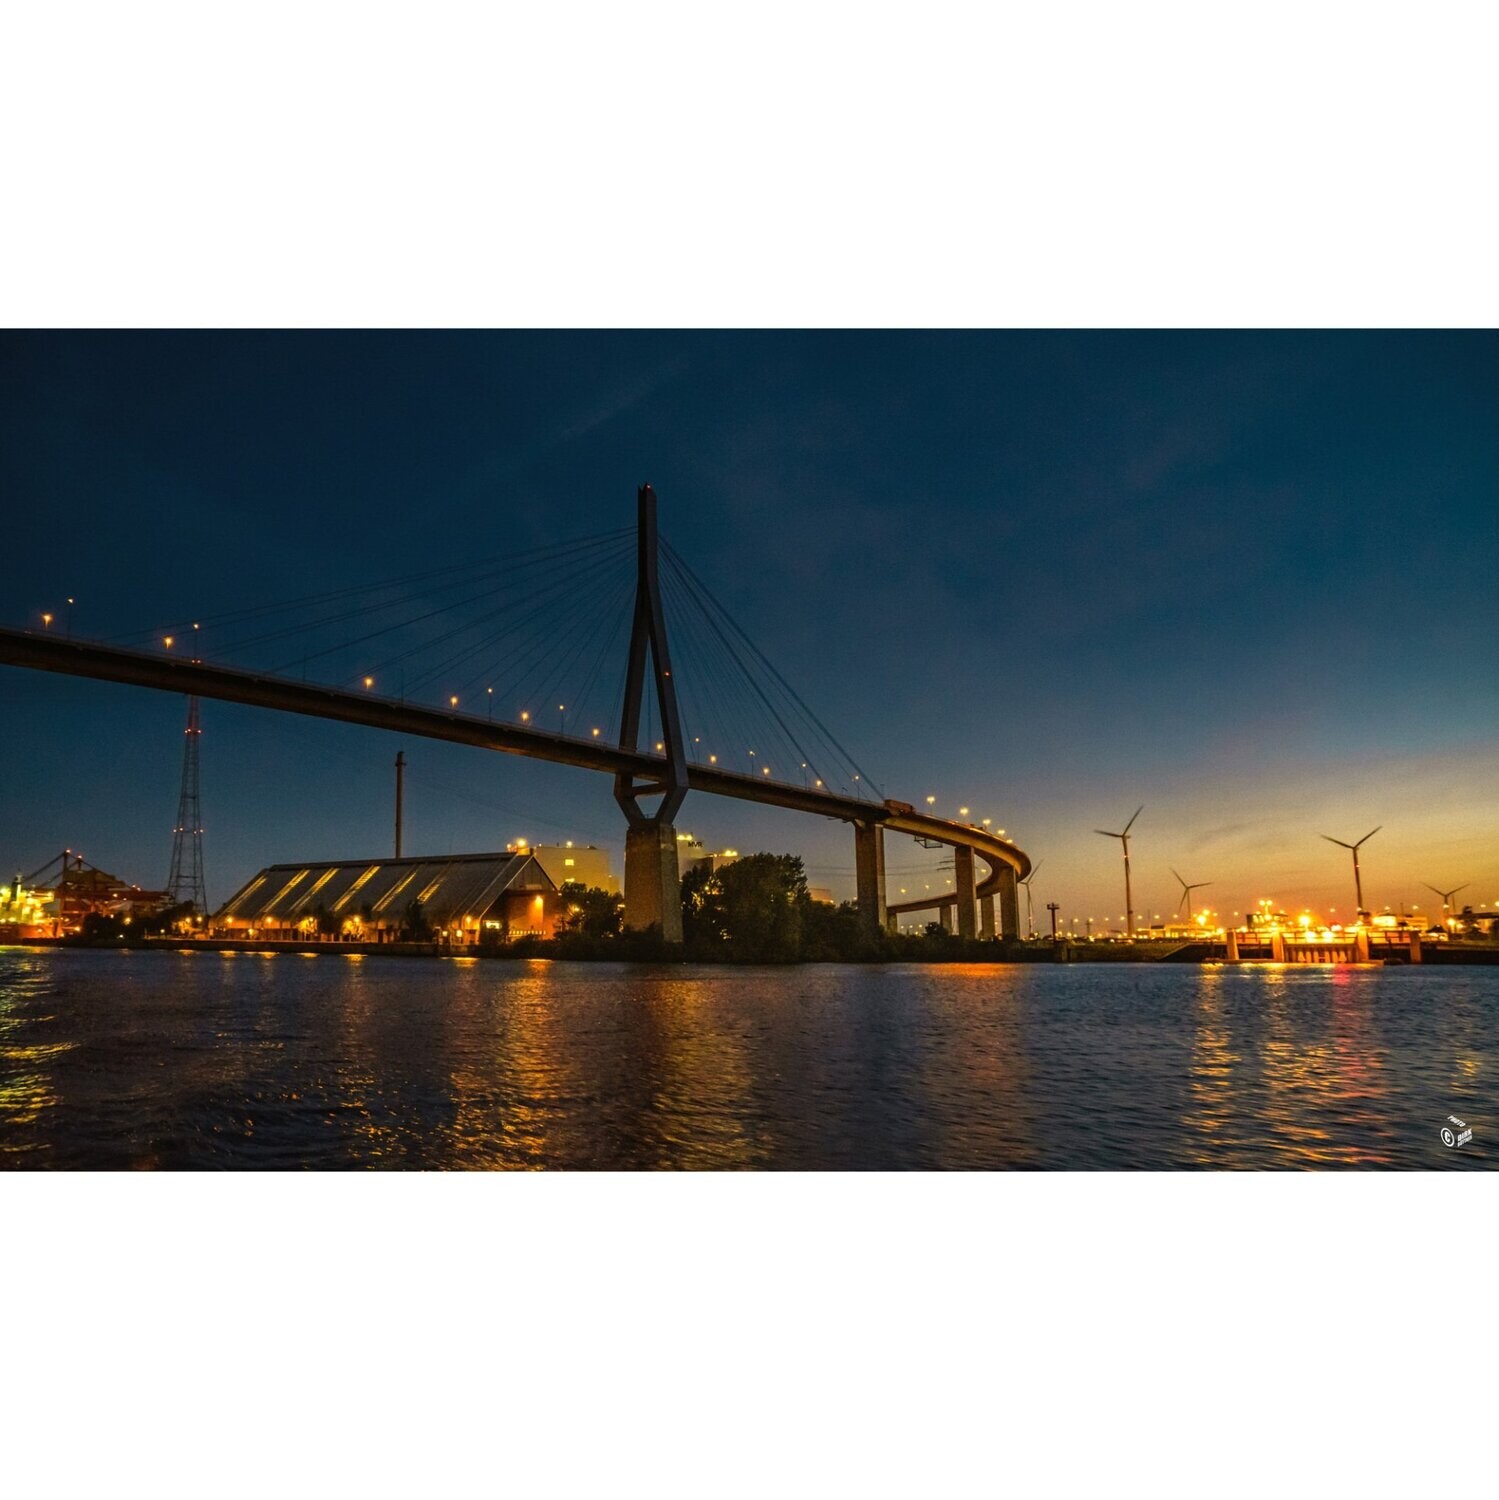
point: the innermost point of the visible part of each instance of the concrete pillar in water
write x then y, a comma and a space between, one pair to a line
1415, 946
653, 887
1009, 904
1231, 946
869, 875
1361, 945
963, 870
1277, 948
986, 916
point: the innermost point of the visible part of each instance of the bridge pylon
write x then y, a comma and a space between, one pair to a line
869, 875
653, 890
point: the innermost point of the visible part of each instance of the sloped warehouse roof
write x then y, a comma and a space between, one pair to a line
449, 887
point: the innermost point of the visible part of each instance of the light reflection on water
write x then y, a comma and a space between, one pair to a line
206, 1060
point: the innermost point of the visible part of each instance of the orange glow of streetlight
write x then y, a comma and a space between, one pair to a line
167, 642
453, 701
369, 682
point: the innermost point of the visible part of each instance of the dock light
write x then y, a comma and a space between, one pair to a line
46, 621
167, 642
962, 812
988, 821
931, 801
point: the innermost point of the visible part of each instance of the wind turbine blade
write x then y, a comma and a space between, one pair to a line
1138, 811
1435, 892
1179, 880
1331, 840
1455, 889
1105, 832
1368, 836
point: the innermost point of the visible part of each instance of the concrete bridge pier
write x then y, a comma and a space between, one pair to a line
963, 873
986, 916
1009, 903
869, 875
653, 886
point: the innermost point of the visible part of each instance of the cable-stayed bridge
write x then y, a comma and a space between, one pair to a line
521, 654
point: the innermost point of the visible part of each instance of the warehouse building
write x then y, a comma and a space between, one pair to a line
460, 899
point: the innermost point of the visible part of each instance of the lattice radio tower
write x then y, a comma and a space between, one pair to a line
185, 883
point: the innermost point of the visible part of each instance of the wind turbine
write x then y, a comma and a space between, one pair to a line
1187, 890
1358, 884
1129, 900
1030, 921
1447, 896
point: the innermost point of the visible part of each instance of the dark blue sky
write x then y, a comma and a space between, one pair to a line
1246, 579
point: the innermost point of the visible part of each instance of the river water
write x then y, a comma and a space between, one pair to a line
202, 1060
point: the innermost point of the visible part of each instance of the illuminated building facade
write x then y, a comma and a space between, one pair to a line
27, 913
460, 899
581, 864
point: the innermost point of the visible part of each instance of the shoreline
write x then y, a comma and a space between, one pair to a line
920, 951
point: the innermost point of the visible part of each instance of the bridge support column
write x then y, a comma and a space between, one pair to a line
653, 887
1231, 946
1415, 946
1009, 904
986, 916
944, 916
869, 875
963, 880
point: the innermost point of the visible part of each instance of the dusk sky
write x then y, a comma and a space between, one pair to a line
1244, 579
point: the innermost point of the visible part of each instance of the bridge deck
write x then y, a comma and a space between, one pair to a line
174, 674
